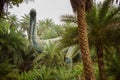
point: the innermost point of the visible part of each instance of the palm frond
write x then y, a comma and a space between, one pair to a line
113, 16
50, 56
70, 37
12, 43
69, 18
92, 17
8, 71
104, 9
80, 3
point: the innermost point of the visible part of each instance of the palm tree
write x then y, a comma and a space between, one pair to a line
101, 21
103, 25
80, 6
46, 29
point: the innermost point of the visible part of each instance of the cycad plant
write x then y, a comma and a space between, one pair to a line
8, 72
24, 24
114, 66
41, 73
50, 56
12, 43
51, 73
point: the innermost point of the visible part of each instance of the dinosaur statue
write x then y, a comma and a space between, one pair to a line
39, 45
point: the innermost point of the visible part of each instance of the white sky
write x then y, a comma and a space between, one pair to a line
45, 9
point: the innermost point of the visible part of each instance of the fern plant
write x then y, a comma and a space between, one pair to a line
8, 72
12, 43
51, 56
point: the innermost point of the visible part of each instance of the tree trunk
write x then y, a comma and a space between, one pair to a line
1, 7
101, 63
83, 42
117, 77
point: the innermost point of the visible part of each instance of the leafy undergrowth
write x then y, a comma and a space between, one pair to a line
55, 73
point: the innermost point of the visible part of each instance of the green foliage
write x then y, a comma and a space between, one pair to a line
24, 24
8, 72
48, 29
12, 43
52, 73
48, 34
50, 56
114, 66
16, 2
103, 25
103, 28
69, 36
69, 19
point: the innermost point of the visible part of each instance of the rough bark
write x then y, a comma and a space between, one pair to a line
101, 63
83, 42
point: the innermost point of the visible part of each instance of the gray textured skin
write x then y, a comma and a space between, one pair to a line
37, 44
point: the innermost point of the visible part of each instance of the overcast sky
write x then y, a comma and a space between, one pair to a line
45, 9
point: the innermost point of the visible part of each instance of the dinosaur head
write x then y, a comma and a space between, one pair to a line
32, 13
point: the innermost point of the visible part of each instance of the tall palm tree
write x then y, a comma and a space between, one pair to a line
103, 25
80, 6
101, 21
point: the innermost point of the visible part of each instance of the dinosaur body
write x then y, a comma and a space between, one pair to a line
33, 32
37, 44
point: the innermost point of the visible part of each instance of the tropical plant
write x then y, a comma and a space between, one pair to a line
52, 73
80, 7
69, 18
100, 25
12, 43
112, 64
48, 29
13, 20
50, 56
8, 72
43, 73
103, 25
24, 24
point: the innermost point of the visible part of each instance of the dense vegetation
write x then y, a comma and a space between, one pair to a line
20, 61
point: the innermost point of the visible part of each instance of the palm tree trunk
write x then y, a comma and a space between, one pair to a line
83, 42
101, 63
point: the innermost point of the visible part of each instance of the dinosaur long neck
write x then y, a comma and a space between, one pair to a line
33, 27
33, 31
